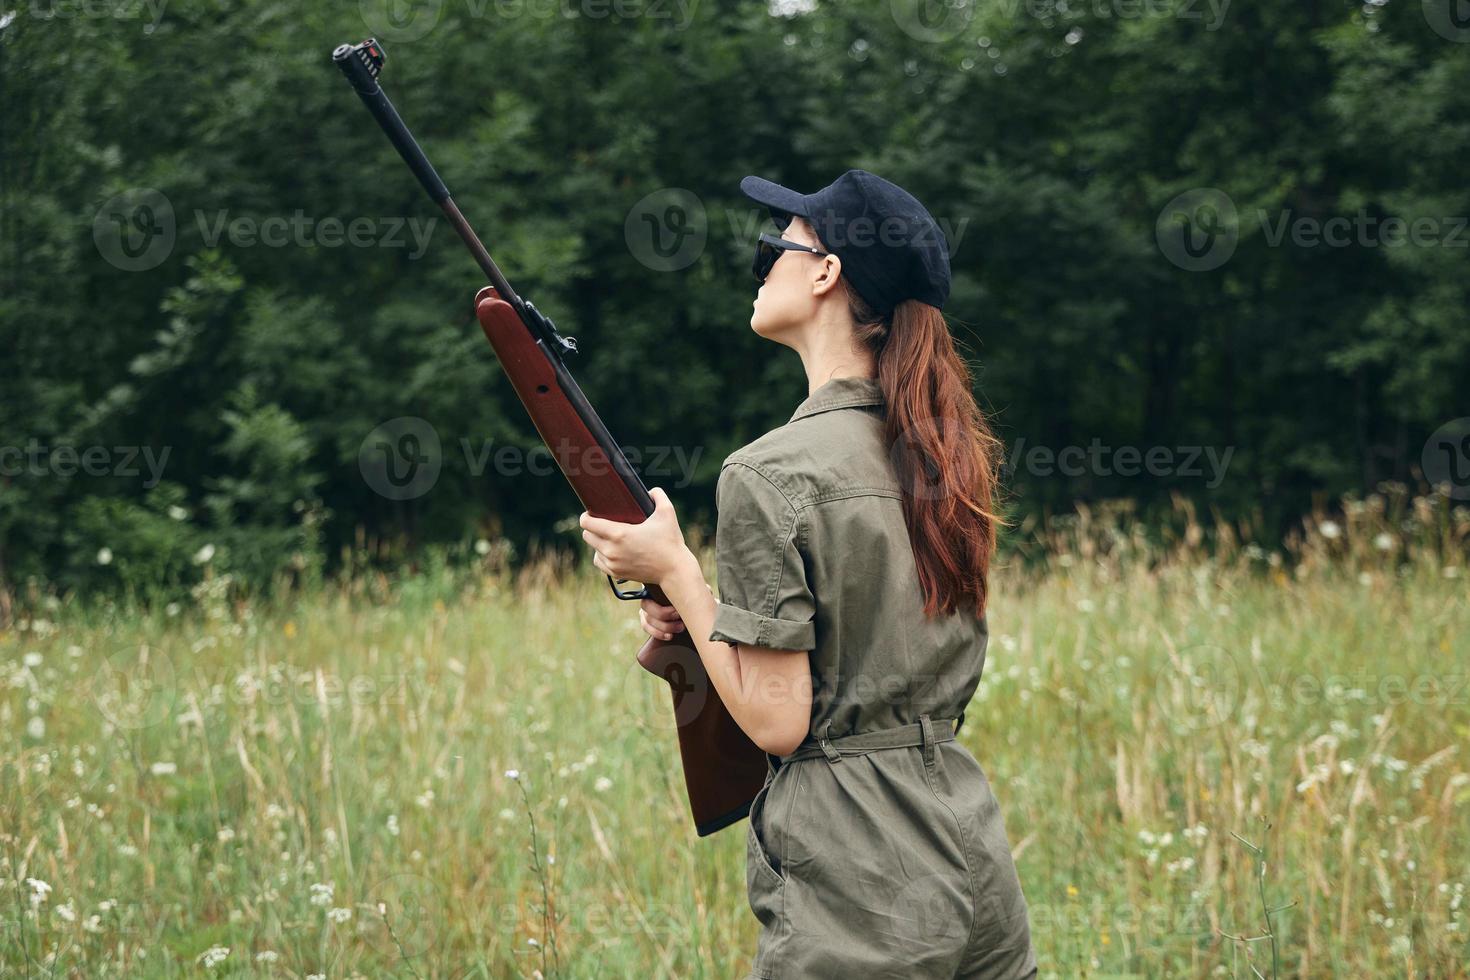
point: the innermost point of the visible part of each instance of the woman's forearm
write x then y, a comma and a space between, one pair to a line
768, 692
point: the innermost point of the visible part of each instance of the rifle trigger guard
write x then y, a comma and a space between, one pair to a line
640, 594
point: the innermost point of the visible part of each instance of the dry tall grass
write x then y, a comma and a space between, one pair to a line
464, 774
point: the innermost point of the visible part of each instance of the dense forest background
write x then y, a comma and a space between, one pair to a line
1216, 250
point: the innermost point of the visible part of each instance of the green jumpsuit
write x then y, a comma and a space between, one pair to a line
877, 848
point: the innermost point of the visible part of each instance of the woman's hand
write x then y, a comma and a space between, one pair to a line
660, 622
650, 552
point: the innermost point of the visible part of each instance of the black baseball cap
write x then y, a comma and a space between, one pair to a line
891, 248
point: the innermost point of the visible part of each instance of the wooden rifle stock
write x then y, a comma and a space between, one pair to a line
723, 768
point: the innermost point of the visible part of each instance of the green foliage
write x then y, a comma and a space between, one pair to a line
261, 351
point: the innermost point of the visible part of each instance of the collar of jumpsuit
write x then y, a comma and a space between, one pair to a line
850, 392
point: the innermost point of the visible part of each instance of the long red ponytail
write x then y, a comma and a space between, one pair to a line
947, 458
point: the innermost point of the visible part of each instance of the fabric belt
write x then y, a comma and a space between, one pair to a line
926, 732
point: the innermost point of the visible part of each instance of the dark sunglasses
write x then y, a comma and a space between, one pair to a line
769, 248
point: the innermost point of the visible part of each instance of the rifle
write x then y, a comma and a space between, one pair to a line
723, 768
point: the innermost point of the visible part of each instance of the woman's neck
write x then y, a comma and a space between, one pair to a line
816, 376
834, 353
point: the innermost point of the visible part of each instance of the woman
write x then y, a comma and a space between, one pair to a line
853, 546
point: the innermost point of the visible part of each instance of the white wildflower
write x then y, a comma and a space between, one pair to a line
163, 768
1384, 541
104, 556
603, 784
39, 890
213, 956
339, 915
204, 554
1330, 530
177, 513
321, 894
512, 774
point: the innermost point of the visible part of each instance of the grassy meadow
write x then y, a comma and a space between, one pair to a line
463, 773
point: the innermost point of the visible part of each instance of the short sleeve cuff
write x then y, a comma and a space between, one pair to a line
736, 625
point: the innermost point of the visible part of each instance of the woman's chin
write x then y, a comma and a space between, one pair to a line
764, 326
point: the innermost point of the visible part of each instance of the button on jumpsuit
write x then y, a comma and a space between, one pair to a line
877, 848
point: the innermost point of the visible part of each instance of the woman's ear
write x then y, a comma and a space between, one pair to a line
828, 275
